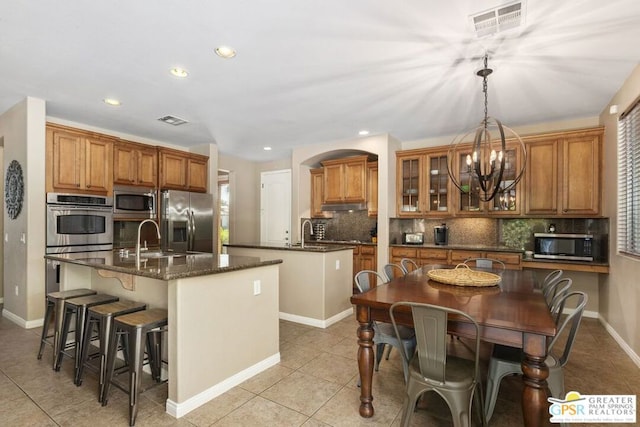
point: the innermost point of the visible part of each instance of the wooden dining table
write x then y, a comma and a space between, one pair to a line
513, 313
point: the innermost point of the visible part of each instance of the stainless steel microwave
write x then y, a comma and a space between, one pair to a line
134, 203
571, 247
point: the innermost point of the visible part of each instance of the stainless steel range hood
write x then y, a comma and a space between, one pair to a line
343, 207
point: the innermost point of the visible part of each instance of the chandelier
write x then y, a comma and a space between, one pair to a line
485, 163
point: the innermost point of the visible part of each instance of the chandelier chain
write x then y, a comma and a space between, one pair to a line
486, 96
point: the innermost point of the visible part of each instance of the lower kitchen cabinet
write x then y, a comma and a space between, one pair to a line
431, 256
364, 258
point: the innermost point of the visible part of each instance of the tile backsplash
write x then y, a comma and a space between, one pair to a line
513, 233
355, 225
481, 231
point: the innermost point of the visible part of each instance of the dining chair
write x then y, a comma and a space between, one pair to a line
432, 369
559, 287
508, 360
392, 271
384, 333
551, 278
487, 263
408, 265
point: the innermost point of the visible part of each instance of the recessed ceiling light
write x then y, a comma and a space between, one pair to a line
112, 101
225, 52
179, 72
266, 148
363, 132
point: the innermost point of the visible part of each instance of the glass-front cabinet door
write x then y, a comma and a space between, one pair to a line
505, 202
508, 200
409, 185
438, 184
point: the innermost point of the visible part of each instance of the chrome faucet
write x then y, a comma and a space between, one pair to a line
138, 239
306, 221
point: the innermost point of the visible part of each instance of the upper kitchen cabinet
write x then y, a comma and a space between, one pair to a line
78, 161
345, 180
135, 164
317, 194
179, 170
423, 186
505, 202
563, 175
372, 189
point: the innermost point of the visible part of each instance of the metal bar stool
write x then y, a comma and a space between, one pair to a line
55, 308
102, 316
79, 307
148, 325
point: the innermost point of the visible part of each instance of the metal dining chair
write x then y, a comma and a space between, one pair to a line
551, 278
383, 332
560, 287
392, 271
487, 263
408, 265
455, 379
508, 360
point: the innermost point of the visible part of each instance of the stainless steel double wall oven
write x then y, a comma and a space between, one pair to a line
76, 223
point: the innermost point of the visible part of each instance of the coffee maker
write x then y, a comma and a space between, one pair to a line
441, 234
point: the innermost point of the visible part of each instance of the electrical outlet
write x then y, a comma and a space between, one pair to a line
17, 290
337, 264
256, 287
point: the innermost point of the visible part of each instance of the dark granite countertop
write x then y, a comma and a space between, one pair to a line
310, 246
461, 247
166, 268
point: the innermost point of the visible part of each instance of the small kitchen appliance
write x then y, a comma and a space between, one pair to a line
441, 234
412, 238
319, 231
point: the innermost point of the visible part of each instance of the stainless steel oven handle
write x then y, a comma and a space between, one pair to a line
79, 208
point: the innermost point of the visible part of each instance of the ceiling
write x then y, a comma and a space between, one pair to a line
309, 72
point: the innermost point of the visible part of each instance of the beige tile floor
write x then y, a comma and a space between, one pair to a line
315, 384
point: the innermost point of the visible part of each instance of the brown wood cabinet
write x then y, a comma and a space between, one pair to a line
317, 194
372, 189
452, 257
423, 186
364, 258
563, 175
180, 170
345, 180
135, 164
78, 161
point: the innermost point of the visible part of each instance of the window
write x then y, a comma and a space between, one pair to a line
629, 181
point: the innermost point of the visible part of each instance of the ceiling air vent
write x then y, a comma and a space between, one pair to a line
172, 120
501, 18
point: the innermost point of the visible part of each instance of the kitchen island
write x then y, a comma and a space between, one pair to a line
223, 313
315, 280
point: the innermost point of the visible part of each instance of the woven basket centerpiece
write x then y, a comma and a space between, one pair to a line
462, 275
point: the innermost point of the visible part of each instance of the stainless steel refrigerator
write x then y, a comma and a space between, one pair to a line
186, 221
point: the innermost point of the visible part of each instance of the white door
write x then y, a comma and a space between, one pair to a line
275, 206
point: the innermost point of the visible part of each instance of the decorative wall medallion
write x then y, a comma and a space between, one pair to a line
14, 189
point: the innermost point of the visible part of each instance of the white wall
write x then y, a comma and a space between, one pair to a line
244, 206
620, 290
23, 129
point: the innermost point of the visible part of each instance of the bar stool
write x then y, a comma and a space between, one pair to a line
78, 306
102, 317
148, 325
55, 308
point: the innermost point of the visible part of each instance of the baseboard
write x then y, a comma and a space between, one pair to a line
310, 321
625, 347
178, 410
26, 324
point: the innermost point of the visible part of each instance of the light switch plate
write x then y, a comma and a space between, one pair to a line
257, 287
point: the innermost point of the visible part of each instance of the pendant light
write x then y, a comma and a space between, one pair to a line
486, 159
